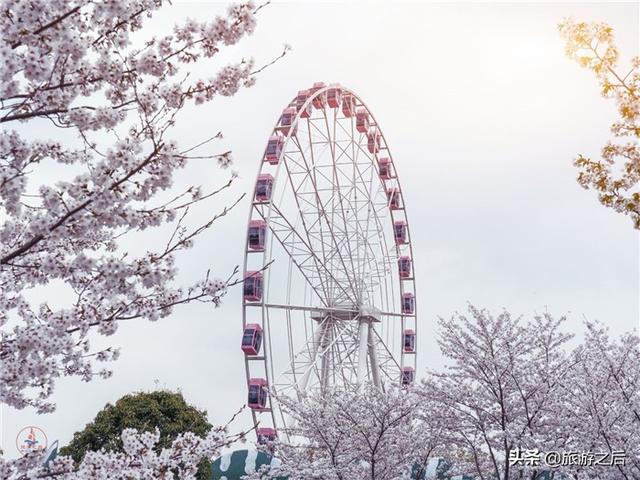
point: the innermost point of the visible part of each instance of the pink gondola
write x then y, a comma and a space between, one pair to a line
257, 397
409, 341
408, 375
348, 104
256, 235
334, 97
362, 120
408, 303
400, 231
384, 168
373, 140
318, 101
302, 97
264, 185
266, 435
274, 149
287, 121
252, 339
252, 289
393, 197
404, 266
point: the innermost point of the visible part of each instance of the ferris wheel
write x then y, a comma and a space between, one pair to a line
336, 304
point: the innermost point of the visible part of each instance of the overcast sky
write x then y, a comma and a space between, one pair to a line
484, 115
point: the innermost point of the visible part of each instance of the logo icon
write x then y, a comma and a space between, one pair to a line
31, 439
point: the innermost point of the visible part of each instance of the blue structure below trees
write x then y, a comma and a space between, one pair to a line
235, 465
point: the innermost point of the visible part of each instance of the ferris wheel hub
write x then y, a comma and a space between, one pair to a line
346, 312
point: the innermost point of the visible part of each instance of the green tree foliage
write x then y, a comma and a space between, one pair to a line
144, 411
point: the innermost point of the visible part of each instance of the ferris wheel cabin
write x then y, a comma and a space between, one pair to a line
408, 303
404, 266
257, 397
257, 235
252, 289
408, 375
266, 435
400, 231
274, 149
409, 341
286, 121
302, 97
384, 168
264, 185
320, 100
252, 339
362, 120
373, 140
393, 197
334, 96
348, 105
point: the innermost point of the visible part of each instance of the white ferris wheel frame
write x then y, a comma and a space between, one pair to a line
270, 212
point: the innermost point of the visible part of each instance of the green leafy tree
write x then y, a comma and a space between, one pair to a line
145, 411
616, 177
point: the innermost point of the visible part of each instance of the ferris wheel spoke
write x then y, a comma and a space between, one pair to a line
319, 262
323, 223
302, 253
376, 268
337, 172
297, 189
354, 208
390, 358
376, 229
340, 202
368, 247
324, 214
315, 194
376, 314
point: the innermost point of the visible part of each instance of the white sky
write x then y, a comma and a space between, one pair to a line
484, 115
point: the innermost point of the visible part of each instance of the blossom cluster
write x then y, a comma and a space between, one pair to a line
141, 459
75, 67
616, 177
358, 434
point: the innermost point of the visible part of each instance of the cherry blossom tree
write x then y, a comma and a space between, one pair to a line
602, 403
72, 65
514, 392
499, 392
88, 102
356, 435
616, 176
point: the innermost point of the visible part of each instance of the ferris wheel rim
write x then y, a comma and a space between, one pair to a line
267, 254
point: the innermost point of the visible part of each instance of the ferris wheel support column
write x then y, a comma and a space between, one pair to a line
317, 339
373, 359
363, 333
326, 356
